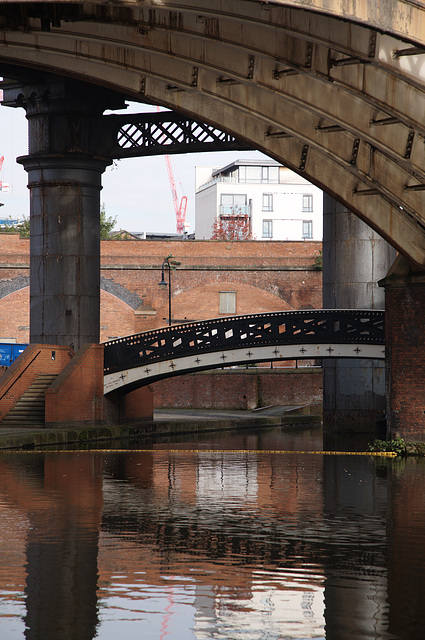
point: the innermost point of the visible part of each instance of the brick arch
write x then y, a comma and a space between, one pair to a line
14, 313
15, 284
9, 286
121, 292
116, 315
202, 302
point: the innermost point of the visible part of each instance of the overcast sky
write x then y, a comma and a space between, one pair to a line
135, 191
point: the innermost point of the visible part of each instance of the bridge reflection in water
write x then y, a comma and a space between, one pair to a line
204, 544
146, 357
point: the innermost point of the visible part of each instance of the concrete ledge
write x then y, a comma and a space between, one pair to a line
33, 438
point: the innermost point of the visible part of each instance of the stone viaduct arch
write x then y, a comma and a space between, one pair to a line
332, 89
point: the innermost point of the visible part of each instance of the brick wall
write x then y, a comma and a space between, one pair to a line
240, 389
36, 359
14, 316
405, 364
77, 393
267, 276
76, 396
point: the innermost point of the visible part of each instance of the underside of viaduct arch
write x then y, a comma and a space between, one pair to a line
332, 90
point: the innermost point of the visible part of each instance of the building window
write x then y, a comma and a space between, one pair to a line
256, 174
270, 174
233, 204
267, 228
307, 202
307, 229
227, 302
267, 202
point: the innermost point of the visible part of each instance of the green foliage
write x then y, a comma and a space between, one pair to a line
120, 235
397, 445
415, 448
23, 228
173, 263
106, 224
318, 263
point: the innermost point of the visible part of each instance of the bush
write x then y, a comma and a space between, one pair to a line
397, 445
318, 263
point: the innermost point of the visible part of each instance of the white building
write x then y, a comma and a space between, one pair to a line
280, 204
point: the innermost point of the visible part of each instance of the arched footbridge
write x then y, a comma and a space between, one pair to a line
141, 359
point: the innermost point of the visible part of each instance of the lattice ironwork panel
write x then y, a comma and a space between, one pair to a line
162, 133
293, 327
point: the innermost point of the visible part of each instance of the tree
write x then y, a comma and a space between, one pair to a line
233, 227
106, 224
23, 228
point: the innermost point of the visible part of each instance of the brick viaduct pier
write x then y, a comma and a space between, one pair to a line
333, 90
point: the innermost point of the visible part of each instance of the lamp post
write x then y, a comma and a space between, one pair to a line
163, 283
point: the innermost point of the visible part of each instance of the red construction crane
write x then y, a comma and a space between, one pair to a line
179, 207
4, 186
1, 164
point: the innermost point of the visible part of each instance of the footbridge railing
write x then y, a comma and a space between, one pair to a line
143, 358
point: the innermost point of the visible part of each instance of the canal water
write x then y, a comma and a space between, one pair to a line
238, 536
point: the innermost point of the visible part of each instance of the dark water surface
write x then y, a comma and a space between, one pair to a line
204, 539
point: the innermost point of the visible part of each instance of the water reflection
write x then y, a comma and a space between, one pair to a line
201, 544
61, 497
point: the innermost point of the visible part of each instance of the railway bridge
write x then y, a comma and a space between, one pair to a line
334, 89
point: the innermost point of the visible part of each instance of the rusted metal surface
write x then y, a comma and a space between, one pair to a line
354, 259
64, 179
65, 255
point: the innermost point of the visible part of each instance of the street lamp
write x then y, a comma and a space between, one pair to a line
163, 283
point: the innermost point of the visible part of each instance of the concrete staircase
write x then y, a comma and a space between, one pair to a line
29, 410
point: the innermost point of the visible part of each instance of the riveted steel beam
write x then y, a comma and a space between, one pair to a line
149, 134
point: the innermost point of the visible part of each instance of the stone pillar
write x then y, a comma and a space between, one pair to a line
354, 259
64, 179
405, 351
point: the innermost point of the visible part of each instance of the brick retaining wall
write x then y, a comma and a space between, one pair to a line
405, 366
240, 389
267, 276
